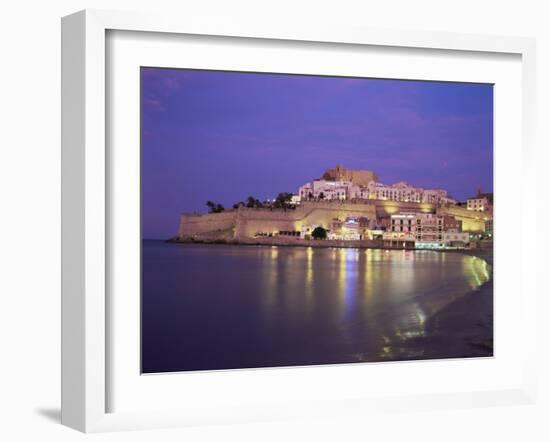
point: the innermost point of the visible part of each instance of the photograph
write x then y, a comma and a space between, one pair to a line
302, 220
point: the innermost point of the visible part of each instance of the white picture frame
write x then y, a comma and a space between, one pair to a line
86, 202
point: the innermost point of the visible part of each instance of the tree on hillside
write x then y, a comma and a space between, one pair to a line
253, 203
283, 200
214, 207
319, 233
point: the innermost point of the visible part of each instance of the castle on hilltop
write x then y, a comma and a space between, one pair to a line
358, 177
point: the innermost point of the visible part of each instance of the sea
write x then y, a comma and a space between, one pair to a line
218, 307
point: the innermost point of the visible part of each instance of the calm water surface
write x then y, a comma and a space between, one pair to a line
208, 307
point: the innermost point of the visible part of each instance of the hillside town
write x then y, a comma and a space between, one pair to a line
403, 229
344, 184
345, 207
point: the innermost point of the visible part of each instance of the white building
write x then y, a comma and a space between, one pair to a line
429, 229
401, 231
328, 190
343, 190
400, 191
478, 203
295, 200
455, 239
422, 230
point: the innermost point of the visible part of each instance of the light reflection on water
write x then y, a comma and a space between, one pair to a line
211, 307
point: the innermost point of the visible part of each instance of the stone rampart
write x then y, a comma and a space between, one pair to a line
246, 223
211, 225
472, 221
386, 208
253, 221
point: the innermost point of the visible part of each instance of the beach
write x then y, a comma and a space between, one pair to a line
463, 328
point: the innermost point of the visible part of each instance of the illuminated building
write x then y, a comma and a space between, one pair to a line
424, 230
401, 232
351, 229
455, 239
327, 190
345, 184
482, 202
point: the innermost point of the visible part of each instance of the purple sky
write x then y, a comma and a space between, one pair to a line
223, 136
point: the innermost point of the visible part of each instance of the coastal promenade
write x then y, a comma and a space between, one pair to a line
291, 241
482, 249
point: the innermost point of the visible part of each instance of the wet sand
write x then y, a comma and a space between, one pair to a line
463, 328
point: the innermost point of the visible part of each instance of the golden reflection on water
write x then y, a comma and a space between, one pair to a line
300, 305
270, 277
340, 257
308, 288
349, 270
369, 274
476, 269
309, 268
385, 295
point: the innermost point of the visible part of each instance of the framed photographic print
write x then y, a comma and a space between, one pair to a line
263, 223
279, 260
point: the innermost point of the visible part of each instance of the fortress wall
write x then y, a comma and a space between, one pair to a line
471, 221
252, 221
325, 215
210, 224
247, 228
349, 205
245, 223
275, 214
386, 208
